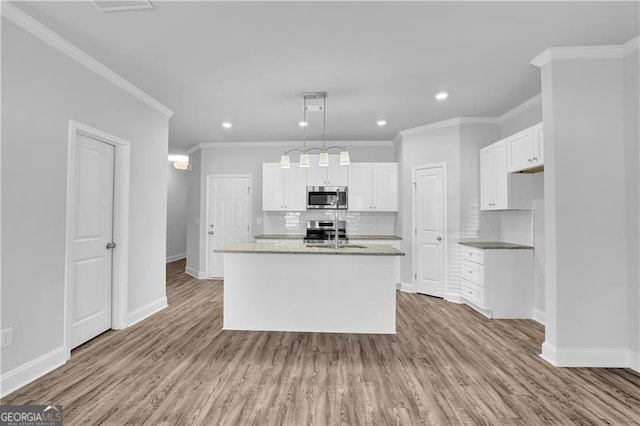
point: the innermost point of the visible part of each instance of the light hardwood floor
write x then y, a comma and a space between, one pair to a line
446, 365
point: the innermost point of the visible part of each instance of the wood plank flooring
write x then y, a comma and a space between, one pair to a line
446, 365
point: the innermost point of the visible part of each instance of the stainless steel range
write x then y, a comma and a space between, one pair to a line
324, 231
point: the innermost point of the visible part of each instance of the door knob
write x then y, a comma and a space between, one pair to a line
438, 238
111, 246
211, 232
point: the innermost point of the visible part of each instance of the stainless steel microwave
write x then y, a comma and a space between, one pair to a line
327, 197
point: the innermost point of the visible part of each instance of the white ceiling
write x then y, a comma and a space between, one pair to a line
248, 62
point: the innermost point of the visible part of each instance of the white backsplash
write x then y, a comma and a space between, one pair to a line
295, 223
516, 226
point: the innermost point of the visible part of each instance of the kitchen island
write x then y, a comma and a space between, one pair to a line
293, 287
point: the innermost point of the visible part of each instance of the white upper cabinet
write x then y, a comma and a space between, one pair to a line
385, 187
283, 189
525, 149
373, 187
538, 144
334, 175
487, 178
500, 190
360, 190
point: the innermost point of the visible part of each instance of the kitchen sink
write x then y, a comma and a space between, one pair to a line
331, 246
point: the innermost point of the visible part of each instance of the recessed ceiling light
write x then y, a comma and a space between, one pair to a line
381, 123
227, 125
303, 124
441, 96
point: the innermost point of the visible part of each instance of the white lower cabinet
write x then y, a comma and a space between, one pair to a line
498, 282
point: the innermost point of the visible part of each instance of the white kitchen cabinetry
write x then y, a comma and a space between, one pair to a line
498, 282
373, 187
500, 190
283, 189
525, 150
334, 175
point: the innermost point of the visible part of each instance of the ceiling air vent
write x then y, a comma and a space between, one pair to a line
122, 5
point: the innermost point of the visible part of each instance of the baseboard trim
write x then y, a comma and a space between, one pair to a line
538, 316
147, 310
194, 273
175, 257
407, 287
635, 361
454, 298
32, 370
586, 357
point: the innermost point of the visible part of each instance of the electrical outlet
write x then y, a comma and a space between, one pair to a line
6, 337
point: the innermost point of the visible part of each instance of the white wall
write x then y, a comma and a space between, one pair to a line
522, 116
194, 194
247, 159
527, 226
457, 145
177, 194
42, 89
632, 158
587, 308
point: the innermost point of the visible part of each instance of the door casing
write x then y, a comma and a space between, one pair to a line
445, 233
120, 267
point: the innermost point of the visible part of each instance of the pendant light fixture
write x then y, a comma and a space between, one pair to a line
323, 160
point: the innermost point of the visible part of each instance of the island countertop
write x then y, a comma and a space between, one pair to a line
350, 236
494, 245
353, 250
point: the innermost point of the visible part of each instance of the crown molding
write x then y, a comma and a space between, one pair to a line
285, 144
536, 100
585, 52
34, 27
451, 122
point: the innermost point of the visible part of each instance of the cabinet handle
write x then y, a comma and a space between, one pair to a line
535, 158
530, 160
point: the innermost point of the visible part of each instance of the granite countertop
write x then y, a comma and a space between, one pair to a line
350, 236
495, 245
370, 250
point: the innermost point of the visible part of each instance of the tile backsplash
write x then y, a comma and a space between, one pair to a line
358, 223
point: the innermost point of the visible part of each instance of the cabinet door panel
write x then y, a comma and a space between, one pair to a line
272, 187
385, 187
295, 188
336, 174
487, 179
316, 175
519, 150
360, 187
538, 145
501, 176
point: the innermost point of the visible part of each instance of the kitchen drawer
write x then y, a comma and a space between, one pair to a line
473, 293
472, 271
473, 254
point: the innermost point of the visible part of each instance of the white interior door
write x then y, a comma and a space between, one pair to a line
228, 221
429, 218
92, 259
